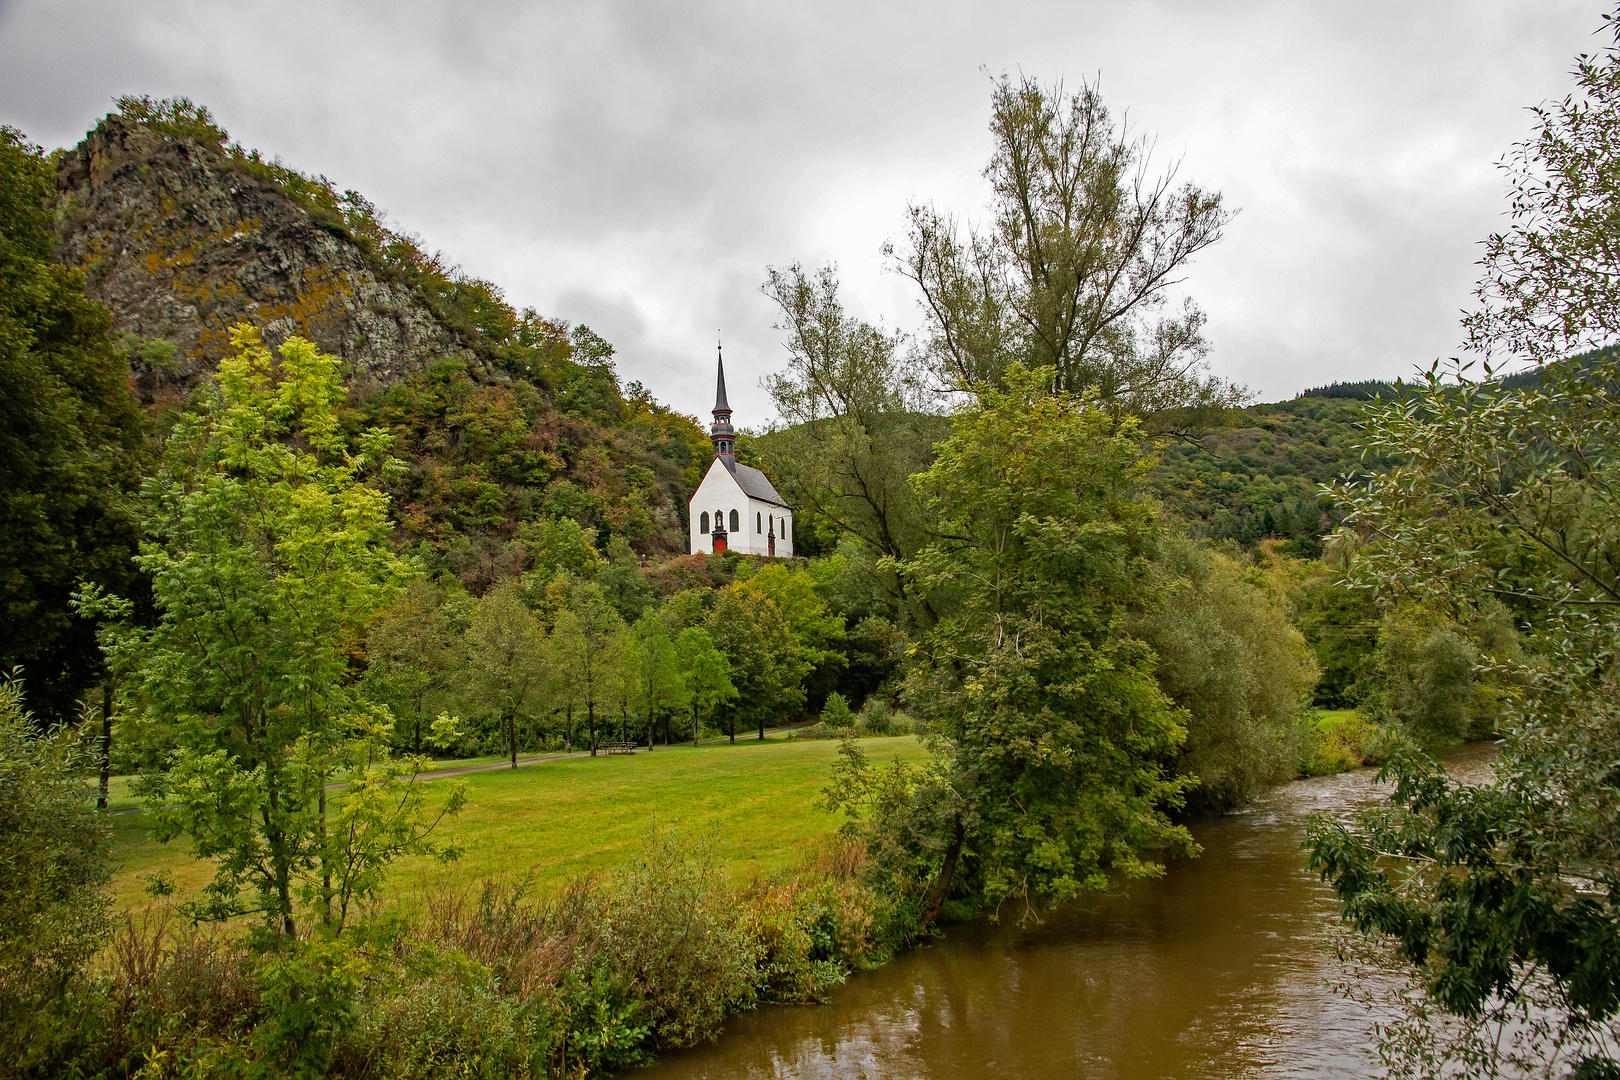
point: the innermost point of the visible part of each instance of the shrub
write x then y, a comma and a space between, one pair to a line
876, 716
1426, 673
1229, 656
53, 875
176, 999
451, 1022
307, 996
668, 928
1338, 744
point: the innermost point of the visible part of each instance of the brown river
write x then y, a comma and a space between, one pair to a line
1222, 968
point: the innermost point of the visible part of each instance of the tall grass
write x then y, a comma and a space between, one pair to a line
495, 980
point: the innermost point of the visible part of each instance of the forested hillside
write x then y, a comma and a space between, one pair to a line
1260, 477
503, 415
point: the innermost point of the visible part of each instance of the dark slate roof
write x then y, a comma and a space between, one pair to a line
755, 485
720, 403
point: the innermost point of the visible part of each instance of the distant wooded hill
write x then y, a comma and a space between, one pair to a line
1260, 477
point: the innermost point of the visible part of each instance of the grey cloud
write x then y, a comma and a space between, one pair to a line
636, 166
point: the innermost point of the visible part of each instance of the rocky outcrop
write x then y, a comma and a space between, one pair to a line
181, 241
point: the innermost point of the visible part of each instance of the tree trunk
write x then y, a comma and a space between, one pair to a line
731, 726
106, 743
694, 725
568, 730
416, 738
326, 864
942, 887
590, 716
761, 727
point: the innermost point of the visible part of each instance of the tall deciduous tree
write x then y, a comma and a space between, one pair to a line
409, 654
1048, 768
859, 420
70, 446
505, 652
706, 682
1074, 268
767, 666
269, 556
657, 672
818, 633
581, 642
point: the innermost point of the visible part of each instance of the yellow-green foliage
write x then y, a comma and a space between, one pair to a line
1341, 741
1229, 656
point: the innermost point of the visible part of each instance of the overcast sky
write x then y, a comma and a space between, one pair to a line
636, 166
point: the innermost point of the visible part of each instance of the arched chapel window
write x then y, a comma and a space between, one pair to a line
703, 522
758, 517
736, 522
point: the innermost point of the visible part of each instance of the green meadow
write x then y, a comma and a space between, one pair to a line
757, 801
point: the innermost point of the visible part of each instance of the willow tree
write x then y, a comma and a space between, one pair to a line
1500, 903
1075, 266
859, 420
269, 554
1050, 732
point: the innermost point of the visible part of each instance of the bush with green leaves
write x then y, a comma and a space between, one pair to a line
1228, 656
876, 717
53, 884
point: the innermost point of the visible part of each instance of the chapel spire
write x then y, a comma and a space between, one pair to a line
721, 432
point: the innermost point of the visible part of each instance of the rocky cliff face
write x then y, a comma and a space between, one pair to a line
181, 241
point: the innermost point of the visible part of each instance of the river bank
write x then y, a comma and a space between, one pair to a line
1224, 967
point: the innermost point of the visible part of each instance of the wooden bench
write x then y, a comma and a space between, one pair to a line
618, 747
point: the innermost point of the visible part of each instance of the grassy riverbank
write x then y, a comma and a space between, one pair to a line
559, 819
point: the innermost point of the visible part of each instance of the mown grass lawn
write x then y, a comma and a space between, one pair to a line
560, 819
1333, 719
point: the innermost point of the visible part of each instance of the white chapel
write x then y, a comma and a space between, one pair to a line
735, 507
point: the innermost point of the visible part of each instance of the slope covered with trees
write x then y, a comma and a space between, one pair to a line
504, 415
1261, 476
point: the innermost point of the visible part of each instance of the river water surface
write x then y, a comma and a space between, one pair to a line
1223, 968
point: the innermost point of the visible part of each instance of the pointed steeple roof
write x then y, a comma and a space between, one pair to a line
721, 433
720, 403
